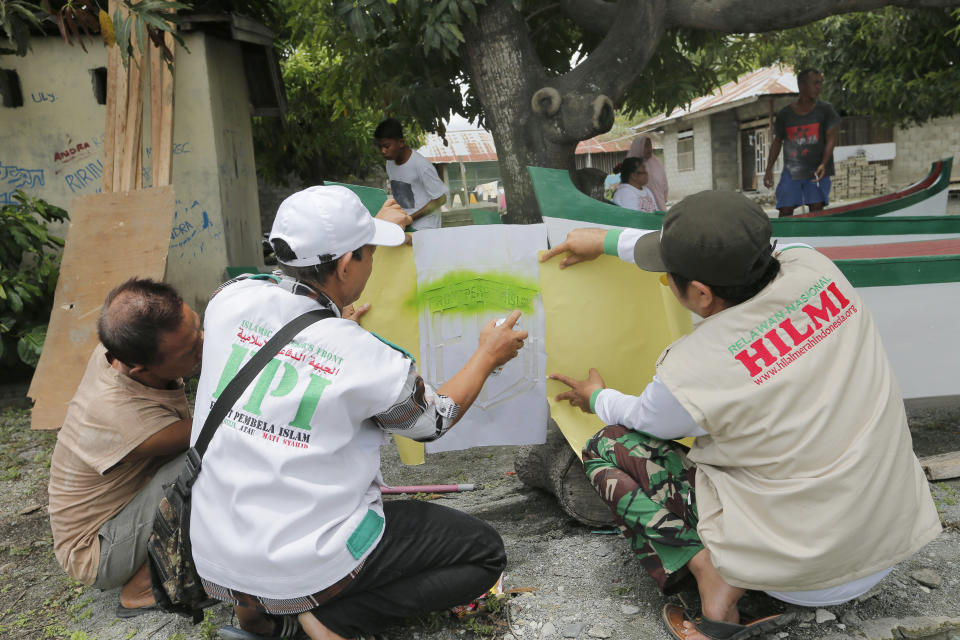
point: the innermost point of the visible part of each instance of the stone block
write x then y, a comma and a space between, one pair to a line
909, 628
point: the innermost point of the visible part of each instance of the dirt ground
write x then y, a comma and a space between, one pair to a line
583, 583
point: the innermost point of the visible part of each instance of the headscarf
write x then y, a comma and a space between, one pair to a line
656, 174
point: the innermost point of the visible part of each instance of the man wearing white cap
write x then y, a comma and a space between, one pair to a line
287, 513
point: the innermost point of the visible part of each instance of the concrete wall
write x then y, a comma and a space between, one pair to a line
917, 147
684, 183
52, 148
716, 149
724, 142
233, 137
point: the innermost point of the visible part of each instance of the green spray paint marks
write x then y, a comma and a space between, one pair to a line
465, 291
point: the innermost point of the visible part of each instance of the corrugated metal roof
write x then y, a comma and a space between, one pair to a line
476, 145
769, 81
605, 144
473, 145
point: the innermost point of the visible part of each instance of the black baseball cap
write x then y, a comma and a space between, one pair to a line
717, 237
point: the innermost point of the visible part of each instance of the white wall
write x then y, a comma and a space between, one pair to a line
216, 219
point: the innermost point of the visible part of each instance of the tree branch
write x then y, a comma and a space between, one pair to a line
631, 40
756, 16
593, 16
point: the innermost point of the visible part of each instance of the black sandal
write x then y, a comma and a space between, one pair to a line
674, 616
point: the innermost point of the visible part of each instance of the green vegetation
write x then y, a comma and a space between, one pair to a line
208, 626
327, 133
29, 265
897, 65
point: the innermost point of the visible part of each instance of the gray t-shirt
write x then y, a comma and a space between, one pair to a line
413, 184
804, 138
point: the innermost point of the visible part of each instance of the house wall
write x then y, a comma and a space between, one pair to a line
918, 147
724, 141
233, 137
216, 221
684, 183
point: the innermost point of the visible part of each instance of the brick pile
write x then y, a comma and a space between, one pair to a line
855, 179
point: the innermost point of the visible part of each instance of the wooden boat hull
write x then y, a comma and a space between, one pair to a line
928, 197
907, 269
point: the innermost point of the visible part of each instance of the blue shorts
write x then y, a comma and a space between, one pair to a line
793, 193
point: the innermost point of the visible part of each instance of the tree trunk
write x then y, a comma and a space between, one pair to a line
536, 120
555, 468
505, 70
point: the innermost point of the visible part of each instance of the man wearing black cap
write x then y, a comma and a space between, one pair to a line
794, 406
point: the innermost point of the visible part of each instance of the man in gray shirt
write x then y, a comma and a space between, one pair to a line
807, 131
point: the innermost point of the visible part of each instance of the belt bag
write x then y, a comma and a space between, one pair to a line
173, 576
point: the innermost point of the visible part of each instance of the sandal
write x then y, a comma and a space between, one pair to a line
133, 612
288, 629
674, 617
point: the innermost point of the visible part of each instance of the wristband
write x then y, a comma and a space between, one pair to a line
610, 242
593, 399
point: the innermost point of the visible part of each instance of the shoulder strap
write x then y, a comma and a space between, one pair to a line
250, 370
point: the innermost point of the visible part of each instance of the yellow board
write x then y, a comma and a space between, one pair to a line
611, 316
392, 284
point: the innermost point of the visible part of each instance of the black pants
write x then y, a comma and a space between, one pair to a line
430, 558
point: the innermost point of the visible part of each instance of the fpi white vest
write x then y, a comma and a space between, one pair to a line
288, 501
808, 478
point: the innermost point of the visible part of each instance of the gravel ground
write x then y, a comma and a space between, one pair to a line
582, 583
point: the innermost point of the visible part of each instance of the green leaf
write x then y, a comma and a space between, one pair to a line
16, 304
455, 30
142, 42
30, 345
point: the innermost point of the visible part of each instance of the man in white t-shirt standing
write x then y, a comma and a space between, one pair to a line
288, 521
414, 182
802, 480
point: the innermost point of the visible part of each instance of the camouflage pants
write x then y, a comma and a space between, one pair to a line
649, 486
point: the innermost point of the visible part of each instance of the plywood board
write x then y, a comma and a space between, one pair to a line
112, 237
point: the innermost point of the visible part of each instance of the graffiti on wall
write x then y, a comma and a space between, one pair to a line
13, 177
146, 172
192, 228
42, 96
77, 179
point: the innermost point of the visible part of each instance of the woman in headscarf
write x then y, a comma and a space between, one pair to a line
642, 147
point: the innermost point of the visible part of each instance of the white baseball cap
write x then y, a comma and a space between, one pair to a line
322, 223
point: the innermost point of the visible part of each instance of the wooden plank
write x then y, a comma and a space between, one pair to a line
156, 108
138, 170
942, 467
112, 237
110, 124
134, 121
163, 152
122, 78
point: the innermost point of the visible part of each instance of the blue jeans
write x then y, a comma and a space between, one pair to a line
794, 193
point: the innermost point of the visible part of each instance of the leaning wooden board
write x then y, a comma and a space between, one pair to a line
112, 237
